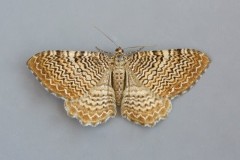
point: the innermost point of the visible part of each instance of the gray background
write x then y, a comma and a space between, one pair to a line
204, 123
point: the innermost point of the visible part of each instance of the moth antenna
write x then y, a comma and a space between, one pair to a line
106, 36
143, 46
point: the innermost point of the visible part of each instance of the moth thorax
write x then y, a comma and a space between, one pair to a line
119, 60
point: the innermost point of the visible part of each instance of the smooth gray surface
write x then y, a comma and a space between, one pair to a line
204, 123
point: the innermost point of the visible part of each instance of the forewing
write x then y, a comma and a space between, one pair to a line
69, 74
168, 73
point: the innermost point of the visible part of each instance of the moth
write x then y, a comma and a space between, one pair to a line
93, 84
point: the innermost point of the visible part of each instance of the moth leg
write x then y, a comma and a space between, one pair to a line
132, 52
102, 51
141, 48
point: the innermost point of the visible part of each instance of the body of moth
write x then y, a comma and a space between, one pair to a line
93, 84
118, 75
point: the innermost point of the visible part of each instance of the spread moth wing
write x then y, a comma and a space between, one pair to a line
155, 77
168, 73
76, 76
141, 105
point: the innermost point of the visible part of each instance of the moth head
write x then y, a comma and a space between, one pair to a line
119, 51
119, 56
